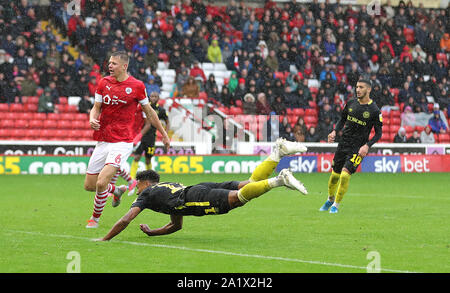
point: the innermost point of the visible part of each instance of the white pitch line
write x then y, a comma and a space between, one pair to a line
215, 252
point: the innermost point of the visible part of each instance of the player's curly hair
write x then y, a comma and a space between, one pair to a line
148, 175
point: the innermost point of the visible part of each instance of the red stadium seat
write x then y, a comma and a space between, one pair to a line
72, 109
310, 120
312, 104
63, 100
235, 111
44, 134
64, 124
5, 133
393, 128
78, 124
62, 108
66, 116
16, 107
21, 123
74, 134
32, 100
30, 134
24, 116
444, 138
292, 119
53, 116
409, 129
396, 121
30, 107
4, 107
395, 114
9, 115
87, 135
36, 124
60, 133
6, 123
84, 116
392, 136
419, 128
39, 116
50, 124
311, 112
299, 112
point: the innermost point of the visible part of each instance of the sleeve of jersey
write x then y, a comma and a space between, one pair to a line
378, 126
143, 99
99, 92
341, 122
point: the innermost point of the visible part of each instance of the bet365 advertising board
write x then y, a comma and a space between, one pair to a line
226, 164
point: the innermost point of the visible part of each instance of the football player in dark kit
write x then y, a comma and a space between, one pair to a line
357, 119
147, 143
207, 198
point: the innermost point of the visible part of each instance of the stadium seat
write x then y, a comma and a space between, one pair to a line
64, 124
53, 116
396, 121
311, 120
4, 107
4, 133
87, 135
74, 134
50, 124
30, 107
77, 124
393, 128
16, 107
63, 100
311, 112
9, 116
36, 123
312, 104
66, 116
385, 136
235, 111
21, 123
444, 138
409, 129
60, 133
419, 128
23, 116
32, 100
292, 119
6, 124
84, 116
299, 112
30, 134
392, 136
39, 116
207, 66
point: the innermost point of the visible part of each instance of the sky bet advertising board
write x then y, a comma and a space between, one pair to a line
226, 164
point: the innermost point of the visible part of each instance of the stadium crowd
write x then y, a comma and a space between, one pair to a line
273, 52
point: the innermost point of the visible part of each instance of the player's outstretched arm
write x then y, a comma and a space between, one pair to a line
153, 117
175, 224
121, 224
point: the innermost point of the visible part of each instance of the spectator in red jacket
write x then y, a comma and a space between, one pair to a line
197, 71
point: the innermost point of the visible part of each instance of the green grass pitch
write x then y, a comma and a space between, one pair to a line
402, 219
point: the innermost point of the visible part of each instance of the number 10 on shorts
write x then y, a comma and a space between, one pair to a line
356, 159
